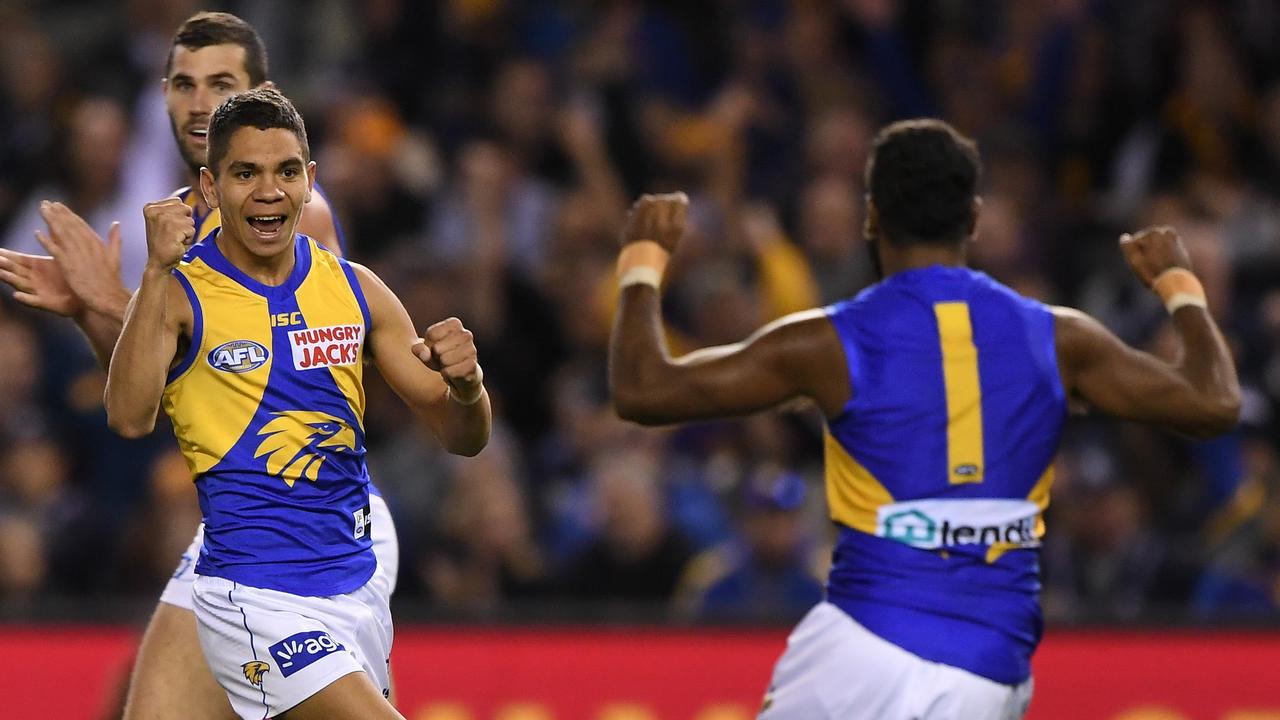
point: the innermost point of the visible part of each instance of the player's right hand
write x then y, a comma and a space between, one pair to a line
659, 218
1153, 250
170, 231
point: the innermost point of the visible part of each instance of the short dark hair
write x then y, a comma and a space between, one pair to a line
262, 108
923, 177
205, 29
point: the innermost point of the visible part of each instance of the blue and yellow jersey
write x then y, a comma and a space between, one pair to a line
267, 403
939, 467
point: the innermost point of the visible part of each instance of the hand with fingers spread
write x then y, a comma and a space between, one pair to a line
449, 348
38, 282
170, 232
89, 267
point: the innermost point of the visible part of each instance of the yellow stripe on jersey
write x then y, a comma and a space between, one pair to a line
964, 395
853, 493
210, 222
323, 304
230, 314
1038, 495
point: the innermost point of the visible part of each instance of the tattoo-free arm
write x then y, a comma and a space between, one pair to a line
798, 355
461, 429
1199, 396
148, 344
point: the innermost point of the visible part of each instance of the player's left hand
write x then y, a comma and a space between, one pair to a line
450, 349
659, 218
90, 266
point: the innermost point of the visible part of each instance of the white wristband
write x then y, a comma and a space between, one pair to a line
1182, 299
641, 275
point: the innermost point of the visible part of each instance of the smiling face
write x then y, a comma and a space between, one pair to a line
262, 182
198, 81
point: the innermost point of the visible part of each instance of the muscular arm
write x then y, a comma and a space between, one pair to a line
1200, 396
148, 344
319, 223
461, 429
798, 355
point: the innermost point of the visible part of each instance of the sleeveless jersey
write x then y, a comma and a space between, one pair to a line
939, 467
212, 220
267, 404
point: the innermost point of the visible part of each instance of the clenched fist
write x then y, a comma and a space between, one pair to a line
450, 349
659, 218
170, 231
1153, 250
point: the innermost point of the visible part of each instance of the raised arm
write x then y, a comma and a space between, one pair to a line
153, 324
799, 355
1198, 396
437, 375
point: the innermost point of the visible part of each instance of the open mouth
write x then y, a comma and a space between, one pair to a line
267, 227
198, 134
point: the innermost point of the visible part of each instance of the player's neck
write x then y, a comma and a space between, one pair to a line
916, 256
271, 270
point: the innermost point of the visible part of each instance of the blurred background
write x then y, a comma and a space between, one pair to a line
480, 155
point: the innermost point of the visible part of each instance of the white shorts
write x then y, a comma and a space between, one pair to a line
271, 650
833, 668
385, 546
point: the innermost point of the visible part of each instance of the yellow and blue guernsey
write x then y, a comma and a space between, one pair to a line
939, 467
267, 404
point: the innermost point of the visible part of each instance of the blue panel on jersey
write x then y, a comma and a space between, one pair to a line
955, 597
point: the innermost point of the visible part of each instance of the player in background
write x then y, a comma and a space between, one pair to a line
944, 394
212, 56
253, 340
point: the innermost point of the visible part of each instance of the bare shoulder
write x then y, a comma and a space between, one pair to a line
178, 302
807, 345
1078, 334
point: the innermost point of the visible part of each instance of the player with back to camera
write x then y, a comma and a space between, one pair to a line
254, 341
944, 394
212, 56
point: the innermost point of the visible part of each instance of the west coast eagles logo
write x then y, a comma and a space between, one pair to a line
254, 670
292, 442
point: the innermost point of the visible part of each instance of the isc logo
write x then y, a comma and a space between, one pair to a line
285, 319
238, 356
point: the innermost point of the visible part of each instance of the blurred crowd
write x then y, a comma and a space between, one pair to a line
480, 155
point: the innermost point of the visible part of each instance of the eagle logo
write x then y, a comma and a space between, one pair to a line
293, 440
254, 670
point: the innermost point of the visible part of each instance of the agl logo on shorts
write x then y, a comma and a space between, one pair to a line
301, 649
238, 356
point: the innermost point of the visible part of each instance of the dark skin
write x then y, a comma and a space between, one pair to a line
801, 355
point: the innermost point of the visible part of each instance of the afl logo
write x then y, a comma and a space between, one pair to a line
238, 356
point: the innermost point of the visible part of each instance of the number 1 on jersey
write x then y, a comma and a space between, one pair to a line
964, 394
